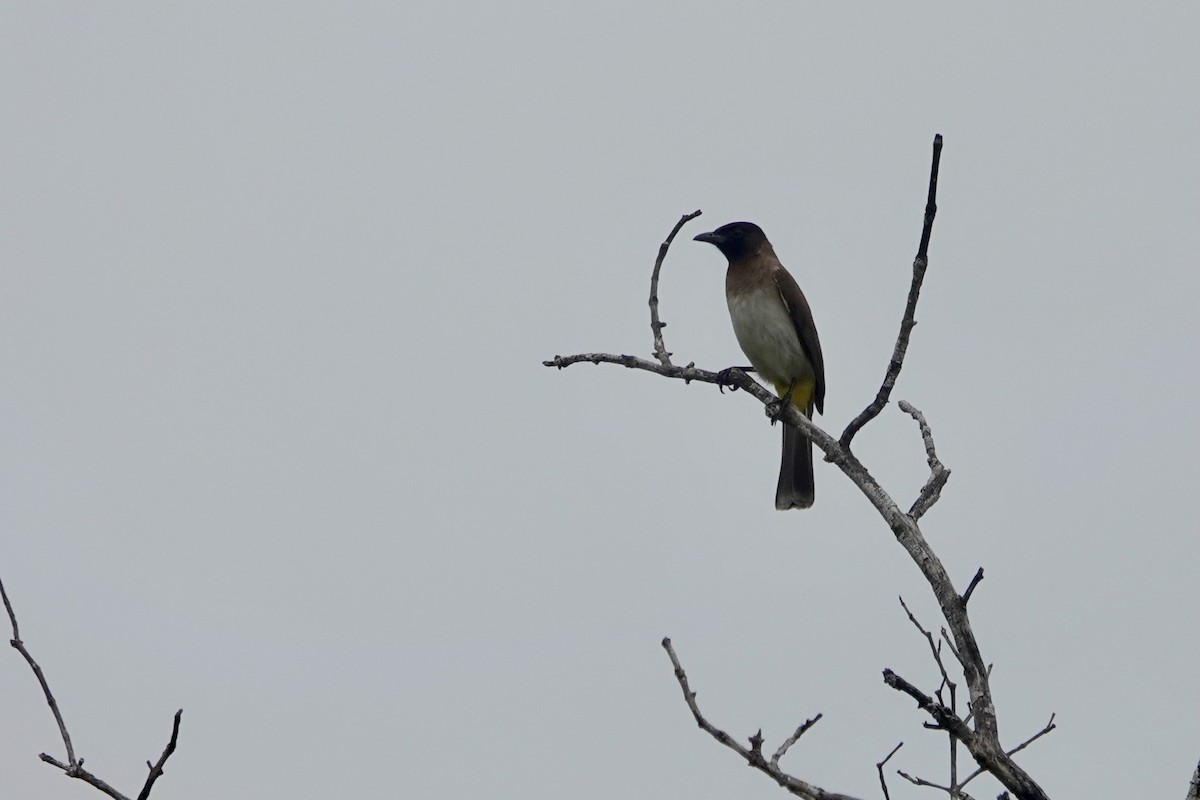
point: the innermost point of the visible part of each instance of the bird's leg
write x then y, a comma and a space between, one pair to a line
776, 408
725, 378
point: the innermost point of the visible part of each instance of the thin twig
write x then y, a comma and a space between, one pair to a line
753, 756
921, 781
656, 325
73, 767
879, 767
971, 586
933, 648
37, 671
156, 769
920, 264
931, 492
1050, 726
956, 793
795, 737
950, 643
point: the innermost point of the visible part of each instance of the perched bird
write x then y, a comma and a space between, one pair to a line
775, 329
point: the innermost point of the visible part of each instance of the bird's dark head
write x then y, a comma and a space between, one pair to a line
736, 240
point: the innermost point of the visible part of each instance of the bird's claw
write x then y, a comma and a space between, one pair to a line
725, 378
774, 411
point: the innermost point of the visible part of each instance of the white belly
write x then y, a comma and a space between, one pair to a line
767, 336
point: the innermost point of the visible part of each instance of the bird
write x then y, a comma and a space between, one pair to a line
775, 329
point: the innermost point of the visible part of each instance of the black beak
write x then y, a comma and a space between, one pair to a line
712, 238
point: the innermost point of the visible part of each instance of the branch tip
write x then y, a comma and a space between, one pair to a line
975, 581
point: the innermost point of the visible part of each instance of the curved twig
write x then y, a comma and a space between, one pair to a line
656, 325
931, 492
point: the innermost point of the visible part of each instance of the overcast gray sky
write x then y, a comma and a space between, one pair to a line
276, 446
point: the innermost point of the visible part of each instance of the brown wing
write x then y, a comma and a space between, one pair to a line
801, 315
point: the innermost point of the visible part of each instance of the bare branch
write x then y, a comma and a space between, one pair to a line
753, 755
1047, 729
879, 767
656, 326
931, 492
984, 747
156, 769
795, 737
735, 378
950, 643
73, 767
955, 792
37, 671
920, 264
915, 781
943, 718
971, 586
933, 648
688, 373
77, 771
936, 650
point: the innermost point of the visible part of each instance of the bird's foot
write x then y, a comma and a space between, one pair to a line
725, 378
775, 411
775, 408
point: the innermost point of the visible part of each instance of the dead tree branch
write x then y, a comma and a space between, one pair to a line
1047, 729
933, 648
971, 586
656, 325
879, 768
795, 737
19, 646
920, 264
73, 767
954, 792
931, 492
156, 769
753, 754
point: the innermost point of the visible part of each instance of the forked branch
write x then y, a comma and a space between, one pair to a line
753, 754
73, 767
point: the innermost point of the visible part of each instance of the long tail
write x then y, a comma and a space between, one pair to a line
796, 487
